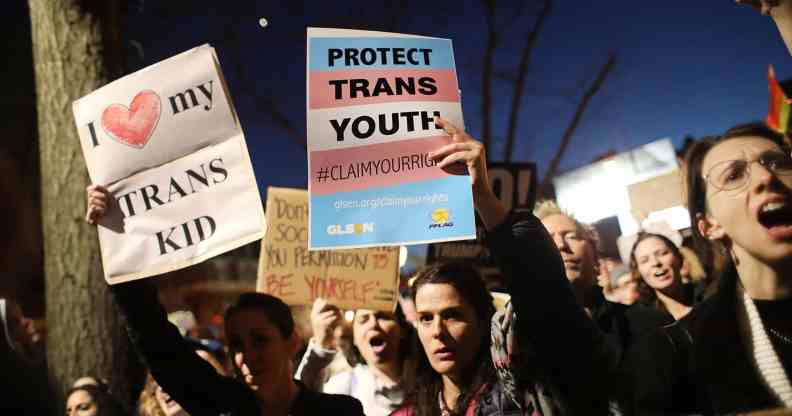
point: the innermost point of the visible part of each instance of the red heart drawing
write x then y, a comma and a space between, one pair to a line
133, 126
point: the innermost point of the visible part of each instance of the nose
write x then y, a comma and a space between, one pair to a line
438, 328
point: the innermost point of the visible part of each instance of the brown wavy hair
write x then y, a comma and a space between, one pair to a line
422, 395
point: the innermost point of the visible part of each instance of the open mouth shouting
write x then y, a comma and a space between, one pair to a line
775, 215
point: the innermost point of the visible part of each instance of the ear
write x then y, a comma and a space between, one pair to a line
709, 227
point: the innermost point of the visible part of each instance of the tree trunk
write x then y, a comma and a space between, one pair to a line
76, 49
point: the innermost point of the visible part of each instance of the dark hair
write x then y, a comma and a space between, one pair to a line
355, 357
696, 188
106, 403
274, 309
647, 293
470, 286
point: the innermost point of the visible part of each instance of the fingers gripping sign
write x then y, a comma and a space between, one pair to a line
764, 6
97, 200
462, 149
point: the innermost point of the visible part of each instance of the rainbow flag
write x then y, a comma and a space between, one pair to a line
778, 113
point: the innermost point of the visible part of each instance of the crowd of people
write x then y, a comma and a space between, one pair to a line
674, 330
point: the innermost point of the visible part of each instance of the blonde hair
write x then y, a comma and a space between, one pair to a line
147, 402
548, 207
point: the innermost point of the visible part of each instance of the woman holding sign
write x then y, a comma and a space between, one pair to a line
541, 355
262, 343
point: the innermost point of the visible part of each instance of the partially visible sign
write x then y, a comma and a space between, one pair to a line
167, 144
515, 186
656, 194
350, 279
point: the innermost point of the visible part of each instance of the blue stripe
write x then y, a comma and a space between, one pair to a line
395, 224
441, 56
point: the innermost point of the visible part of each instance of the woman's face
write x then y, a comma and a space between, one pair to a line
657, 264
80, 403
755, 218
261, 353
448, 328
377, 336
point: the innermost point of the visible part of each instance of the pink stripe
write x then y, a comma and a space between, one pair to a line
377, 157
323, 95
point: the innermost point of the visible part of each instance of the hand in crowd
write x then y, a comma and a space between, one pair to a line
465, 149
604, 281
97, 197
462, 149
324, 318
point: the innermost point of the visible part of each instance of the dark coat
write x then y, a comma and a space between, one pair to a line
190, 380
699, 364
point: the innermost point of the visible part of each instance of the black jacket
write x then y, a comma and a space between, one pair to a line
190, 380
699, 364
583, 357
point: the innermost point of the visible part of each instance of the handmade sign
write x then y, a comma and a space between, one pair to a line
167, 144
372, 97
349, 279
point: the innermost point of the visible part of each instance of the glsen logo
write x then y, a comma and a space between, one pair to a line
441, 218
350, 229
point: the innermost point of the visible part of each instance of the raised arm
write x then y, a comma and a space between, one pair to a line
566, 343
320, 352
173, 363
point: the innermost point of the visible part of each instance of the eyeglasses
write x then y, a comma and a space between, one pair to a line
730, 175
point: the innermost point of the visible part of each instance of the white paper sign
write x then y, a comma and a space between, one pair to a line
167, 144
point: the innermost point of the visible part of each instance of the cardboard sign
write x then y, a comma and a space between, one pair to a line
349, 279
515, 186
167, 144
664, 191
372, 97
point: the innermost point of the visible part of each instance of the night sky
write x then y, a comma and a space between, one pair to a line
684, 68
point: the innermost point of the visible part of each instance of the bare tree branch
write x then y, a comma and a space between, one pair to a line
581, 109
522, 73
486, 76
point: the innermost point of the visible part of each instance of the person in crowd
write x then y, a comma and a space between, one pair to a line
379, 351
578, 244
261, 339
657, 266
548, 354
92, 400
733, 352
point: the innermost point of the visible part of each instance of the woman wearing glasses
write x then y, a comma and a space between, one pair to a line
733, 353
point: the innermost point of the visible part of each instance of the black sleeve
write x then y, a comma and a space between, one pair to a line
661, 382
568, 345
173, 363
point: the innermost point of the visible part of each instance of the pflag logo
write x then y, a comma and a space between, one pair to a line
336, 229
441, 218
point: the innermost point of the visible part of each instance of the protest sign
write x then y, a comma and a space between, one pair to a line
515, 186
350, 279
167, 144
371, 101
